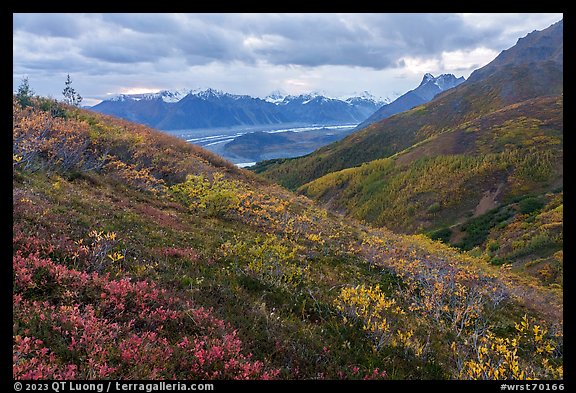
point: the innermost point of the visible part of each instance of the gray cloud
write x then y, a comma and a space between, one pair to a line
146, 44
365, 40
132, 48
52, 25
145, 23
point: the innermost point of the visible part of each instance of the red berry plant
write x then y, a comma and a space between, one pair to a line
71, 324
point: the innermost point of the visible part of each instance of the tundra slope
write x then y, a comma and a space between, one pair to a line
139, 256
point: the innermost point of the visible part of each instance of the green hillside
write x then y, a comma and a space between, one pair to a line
449, 184
531, 69
139, 256
506, 153
459, 167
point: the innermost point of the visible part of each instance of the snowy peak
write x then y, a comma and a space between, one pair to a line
164, 95
209, 93
444, 81
276, 96
448, 81
279, 97
431, 85
173, 96
305, 98
365, 97
121, 98
203, 93
427, 78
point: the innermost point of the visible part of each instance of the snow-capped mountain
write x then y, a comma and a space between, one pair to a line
276, 97
169, 96
207, 108
447, 81
173, 96
430, 87
281, 98
364, 97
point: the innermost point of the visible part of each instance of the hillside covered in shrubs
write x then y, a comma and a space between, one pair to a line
139, 256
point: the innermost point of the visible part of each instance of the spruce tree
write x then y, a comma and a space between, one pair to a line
71, 97
25, 93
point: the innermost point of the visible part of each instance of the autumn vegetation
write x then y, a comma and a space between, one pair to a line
500, 87
480, 167
139, 256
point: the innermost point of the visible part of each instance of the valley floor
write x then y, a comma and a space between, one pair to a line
241, 145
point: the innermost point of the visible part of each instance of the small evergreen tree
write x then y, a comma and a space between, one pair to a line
25, 93
71, 97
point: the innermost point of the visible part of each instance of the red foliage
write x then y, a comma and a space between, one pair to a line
70, 324
32, 360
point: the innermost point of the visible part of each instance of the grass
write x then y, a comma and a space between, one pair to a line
267, 264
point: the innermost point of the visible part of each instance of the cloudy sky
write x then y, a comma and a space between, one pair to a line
338, 54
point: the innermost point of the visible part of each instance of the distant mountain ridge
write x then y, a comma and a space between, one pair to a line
429, 88
165, 95
546, 46
479, 167
532, 68
208, 108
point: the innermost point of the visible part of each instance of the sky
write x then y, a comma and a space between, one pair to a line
256, 54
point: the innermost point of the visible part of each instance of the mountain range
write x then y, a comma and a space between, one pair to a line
480, 166
427, 90
209, 108
258, 146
